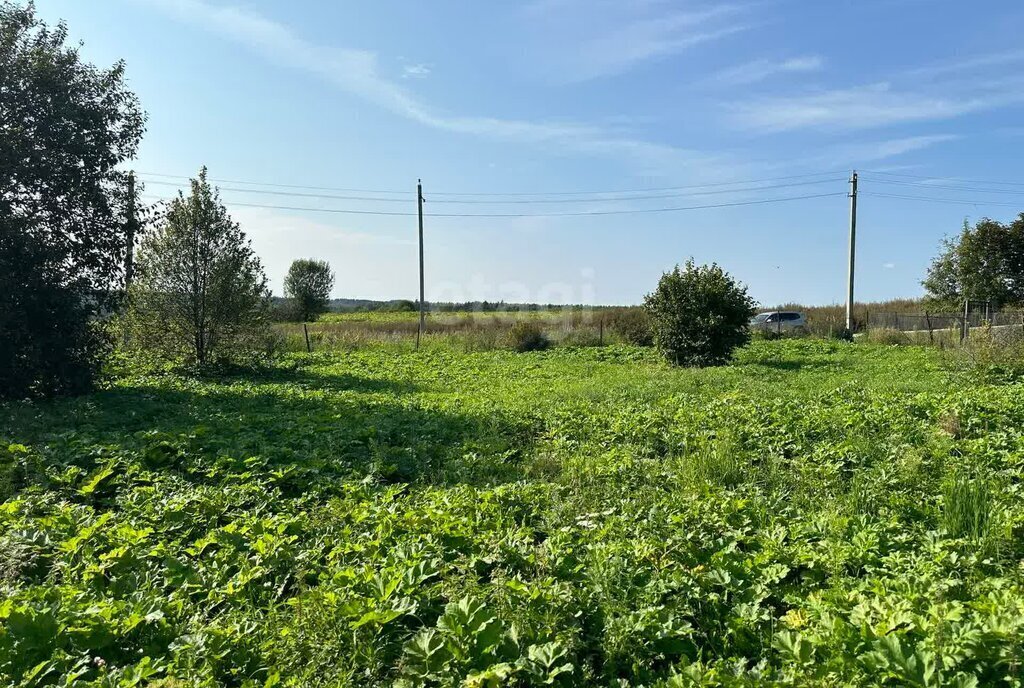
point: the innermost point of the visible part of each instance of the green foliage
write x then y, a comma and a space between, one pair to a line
631, 325
699, 315
888, 336
201, 293
967, 506
308, 284
67, 126
525, 335
984, 263
809, 515
988, 355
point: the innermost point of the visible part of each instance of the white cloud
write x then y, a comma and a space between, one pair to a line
416, 71
934, 92
759, 70
588, 39
889, 266
356, 72
864, 107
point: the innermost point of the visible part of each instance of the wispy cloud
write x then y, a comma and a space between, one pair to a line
854, 154
416, 71
590, 39
357, 72
968, 64
865, 107
759, 70
858, 153
932, 92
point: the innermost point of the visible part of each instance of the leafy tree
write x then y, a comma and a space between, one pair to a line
308, 284
200, 291
699, 315
65, 126
984, 263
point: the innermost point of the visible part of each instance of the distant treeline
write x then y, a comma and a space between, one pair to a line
835, 312
406, 305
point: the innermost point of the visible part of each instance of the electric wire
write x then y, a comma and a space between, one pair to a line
632, 211
296, 194
962, 201
945, 187
500, 194
948, 179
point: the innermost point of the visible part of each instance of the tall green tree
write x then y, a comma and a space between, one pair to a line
984, 263
699, 315
65, 126
308, 285
200, 292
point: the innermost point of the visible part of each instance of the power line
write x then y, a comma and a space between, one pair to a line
501, 194
948, 179
665, 188
520, 201
513, 215
962, 201
947, 187
267, 184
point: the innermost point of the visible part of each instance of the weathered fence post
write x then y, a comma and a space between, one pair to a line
964, 331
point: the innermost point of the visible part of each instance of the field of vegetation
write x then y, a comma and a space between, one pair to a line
816, 513
467, 330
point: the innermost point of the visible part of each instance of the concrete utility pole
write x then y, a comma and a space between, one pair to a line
419, 203
130, 225
853, 250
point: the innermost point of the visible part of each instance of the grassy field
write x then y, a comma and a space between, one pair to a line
818, 513
465, 330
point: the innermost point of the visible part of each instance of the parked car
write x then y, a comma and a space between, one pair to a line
779, 321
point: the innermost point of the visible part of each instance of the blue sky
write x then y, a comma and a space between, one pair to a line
715, 101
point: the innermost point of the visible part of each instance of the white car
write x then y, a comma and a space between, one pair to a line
779, 321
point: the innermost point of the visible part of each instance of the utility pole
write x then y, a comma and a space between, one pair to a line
419, 203
130, 225
853, 250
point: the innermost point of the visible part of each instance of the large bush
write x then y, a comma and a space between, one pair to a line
65, 126
201, 293
699, 315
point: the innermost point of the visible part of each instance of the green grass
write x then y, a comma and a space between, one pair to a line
587, 516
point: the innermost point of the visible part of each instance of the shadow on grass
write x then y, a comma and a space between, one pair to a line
794, 365
329, 382
191, 426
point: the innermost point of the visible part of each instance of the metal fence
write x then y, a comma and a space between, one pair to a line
933, 322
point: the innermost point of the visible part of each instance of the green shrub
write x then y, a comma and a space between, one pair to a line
526, 336
481, 339
580, 338
887, 335
989, 355
632, 325
699, 315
